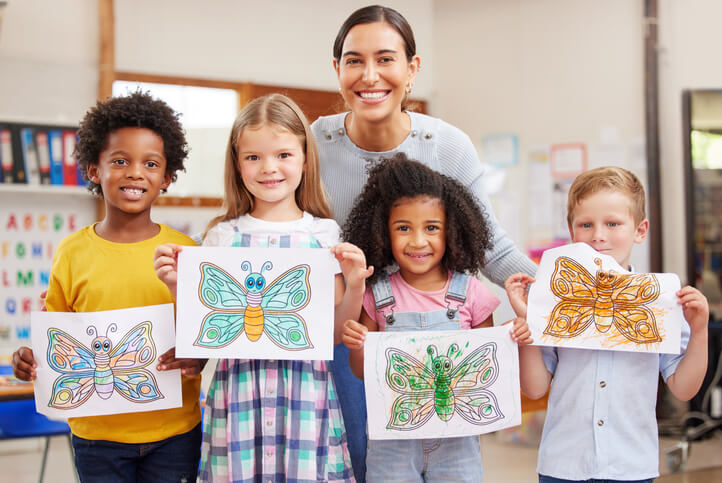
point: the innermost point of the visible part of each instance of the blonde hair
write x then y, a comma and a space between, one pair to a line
281, 111
610, 178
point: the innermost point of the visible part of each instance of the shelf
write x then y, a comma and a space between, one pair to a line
45, 189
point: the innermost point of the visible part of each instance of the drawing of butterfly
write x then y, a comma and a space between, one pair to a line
103, 368
608, 299
442, 388
254, 306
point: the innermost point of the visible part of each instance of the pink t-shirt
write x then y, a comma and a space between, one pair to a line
480, 302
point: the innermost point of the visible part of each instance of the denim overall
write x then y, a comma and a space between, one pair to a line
414, 460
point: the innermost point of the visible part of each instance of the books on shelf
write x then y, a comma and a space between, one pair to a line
38, 154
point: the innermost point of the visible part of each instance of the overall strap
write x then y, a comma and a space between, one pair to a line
456, 294
385, 301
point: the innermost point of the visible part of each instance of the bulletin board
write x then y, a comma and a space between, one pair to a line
34, 220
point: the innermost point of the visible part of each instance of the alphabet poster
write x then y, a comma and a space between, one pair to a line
94, 363
31, 226
441, 384
256, 303
584, 299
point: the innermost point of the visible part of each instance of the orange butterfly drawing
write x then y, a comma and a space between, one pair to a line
608, 299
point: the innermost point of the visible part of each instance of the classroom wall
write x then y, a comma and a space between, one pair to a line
548, 70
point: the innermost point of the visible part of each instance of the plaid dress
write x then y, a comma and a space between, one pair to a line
273, 420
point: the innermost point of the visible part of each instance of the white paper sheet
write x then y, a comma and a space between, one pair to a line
584, 299
224, 312
482, 367
73, 349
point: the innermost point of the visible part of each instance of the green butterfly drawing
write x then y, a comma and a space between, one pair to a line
442, 388
254, 306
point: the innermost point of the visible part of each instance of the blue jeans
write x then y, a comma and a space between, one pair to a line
351, 396
174, 459
418, 460
551, 479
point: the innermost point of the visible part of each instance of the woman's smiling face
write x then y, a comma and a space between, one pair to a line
373, 71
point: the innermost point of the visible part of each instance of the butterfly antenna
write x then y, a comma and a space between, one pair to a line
267, 265
111, 328
92, 331
246, 266
431, 350
452, 348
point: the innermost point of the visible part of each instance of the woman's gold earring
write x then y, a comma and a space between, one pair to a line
408, 89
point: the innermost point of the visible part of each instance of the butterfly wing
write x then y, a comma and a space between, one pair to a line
219, 290
67, 355
637, 324
569, 319
290, 292
136, 385
76, 363
72, 390
406, 375
630, 294
572, 282
287, 330
137, 349
469, 379
220, 329
576, 288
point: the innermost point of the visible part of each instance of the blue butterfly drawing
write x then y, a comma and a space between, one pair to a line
103, 368
254, 306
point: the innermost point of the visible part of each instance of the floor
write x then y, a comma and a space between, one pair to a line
504, 461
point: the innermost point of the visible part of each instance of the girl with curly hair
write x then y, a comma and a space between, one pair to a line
429, 229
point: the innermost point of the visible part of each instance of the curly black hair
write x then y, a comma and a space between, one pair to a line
138, 109
468, 235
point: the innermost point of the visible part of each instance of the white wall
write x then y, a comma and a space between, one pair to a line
690, 42
274, 42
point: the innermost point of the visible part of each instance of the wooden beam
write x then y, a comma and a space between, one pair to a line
106, 59
651, 102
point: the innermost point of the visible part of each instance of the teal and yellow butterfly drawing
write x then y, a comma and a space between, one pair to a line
440, 387
254, 306
104, 368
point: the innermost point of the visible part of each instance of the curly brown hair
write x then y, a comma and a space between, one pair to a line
138, 109
468, 235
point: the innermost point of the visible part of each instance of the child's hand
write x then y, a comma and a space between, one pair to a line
695, 308
43, 296
24, 364
189, 367
353, 264
165, 262
517, 290
520, 332
354, 334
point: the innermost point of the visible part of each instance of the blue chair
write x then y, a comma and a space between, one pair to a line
18, 419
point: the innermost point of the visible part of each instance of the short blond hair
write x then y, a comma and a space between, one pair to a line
609, 178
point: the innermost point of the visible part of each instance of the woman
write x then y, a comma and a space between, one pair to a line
375, 59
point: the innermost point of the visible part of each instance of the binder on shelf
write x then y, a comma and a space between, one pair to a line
55, 148
70, 172
30, 155
43, 156
6, 155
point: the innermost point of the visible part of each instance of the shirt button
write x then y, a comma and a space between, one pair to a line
269, 453
427, 135
269, 423
602, 384
600, 422
340, 132
273, 241
328, 136
413, 134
